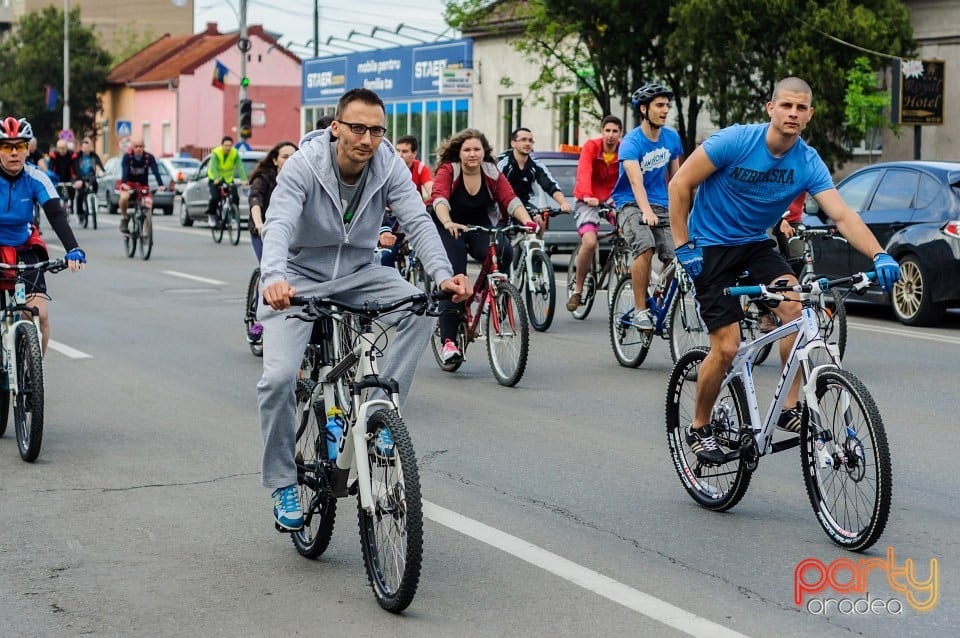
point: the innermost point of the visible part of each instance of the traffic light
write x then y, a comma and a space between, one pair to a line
246, 118
244, 82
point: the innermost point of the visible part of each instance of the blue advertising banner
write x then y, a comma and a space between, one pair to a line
395, 74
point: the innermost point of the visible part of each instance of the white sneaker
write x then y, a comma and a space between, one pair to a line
642, 320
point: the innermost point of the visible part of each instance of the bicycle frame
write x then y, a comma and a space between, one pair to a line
808, 340
484, 288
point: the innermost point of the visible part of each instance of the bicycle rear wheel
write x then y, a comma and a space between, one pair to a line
4, 409
250, 313
508, 335
846, 461
28, 405
630, 346
319, 507
714, 487
391, 537
232, 222
589, 285
687, 330
146, 234
541, 290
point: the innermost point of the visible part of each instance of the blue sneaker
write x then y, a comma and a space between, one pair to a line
384, 444
286, 509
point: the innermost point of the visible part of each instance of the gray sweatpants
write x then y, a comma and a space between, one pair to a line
285, 339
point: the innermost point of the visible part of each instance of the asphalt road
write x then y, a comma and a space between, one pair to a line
552, 508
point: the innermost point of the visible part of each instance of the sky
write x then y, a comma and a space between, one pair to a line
293, 19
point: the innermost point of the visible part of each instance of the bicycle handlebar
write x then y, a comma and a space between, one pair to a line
859, 280
325, 306
51, 265
498, 230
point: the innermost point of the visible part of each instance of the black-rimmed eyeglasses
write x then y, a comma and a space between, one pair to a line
361, 129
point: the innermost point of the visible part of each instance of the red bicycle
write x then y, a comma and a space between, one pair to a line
499, 304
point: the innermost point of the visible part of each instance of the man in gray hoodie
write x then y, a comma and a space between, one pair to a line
321, 230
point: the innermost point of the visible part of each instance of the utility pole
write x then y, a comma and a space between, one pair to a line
316, 28
66, 64
244, 45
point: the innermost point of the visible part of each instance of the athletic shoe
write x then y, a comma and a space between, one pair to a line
255, 332
286, 509
212, 221
450, 353
574, 302
703, 444
642, 320
791, 419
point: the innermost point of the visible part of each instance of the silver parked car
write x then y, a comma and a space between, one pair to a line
196, 193
108, 197
181, 168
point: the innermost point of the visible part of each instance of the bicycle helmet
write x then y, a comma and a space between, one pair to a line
650, 90
14, 129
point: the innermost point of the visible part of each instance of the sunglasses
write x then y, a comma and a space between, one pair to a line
8, 148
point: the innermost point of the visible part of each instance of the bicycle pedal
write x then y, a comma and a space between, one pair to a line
284, 530
354, 488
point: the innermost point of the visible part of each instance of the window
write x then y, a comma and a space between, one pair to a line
895, 191
568, 110
510, 108
932, 194
146, 136
854, 192
167, 133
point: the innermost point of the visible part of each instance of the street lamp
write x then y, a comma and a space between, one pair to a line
66, 64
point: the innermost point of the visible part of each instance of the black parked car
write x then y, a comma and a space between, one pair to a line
914, 210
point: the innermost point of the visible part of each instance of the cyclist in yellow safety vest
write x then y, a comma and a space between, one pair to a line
224, 166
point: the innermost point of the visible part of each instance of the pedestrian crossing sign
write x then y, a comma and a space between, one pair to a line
124, 128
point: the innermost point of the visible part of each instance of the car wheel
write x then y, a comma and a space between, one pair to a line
912, 296
184, 214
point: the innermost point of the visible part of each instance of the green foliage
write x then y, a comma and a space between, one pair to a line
719, 56
865, 103
32, 57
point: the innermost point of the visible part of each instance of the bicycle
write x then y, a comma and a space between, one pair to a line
87, 203
339, 372
844, 453
410, 266
228, 215
499, 302
22, 361
673, 308
255, 342
531, 273
140, 228
65, 191
615, 267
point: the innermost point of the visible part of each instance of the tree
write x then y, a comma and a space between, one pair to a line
32, 59
865, 103
720, 55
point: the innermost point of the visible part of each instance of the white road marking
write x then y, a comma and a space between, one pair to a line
906, 332
204, 280
67, 351
114, 220
613, 590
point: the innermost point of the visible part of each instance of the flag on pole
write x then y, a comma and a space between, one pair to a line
219, 74
50, 97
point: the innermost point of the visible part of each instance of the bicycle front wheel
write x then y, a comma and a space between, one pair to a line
687, 330
589, 285
714, 487
217, 229
250, 313
508, 335
846, 461
319, 507
146, 234
92, 209
630, 346
130, 239
232, 222
619, 269
28, 406
392, 535
541, 291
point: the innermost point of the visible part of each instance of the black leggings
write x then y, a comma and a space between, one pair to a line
475, 244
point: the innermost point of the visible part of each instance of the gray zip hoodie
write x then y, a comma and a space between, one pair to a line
304, 230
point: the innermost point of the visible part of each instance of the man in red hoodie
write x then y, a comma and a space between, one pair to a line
597, 173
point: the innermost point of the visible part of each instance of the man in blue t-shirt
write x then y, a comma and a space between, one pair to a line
649, 157
745, 177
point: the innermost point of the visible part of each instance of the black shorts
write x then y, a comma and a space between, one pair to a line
722, 266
